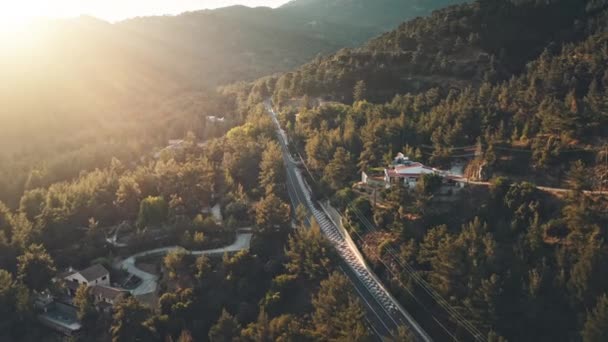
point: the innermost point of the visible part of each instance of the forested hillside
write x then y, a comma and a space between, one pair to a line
83, 90
517, 92
545, 101
374, 16
285, 286
454, 47
514, 93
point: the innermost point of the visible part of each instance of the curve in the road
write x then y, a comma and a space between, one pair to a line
149, 281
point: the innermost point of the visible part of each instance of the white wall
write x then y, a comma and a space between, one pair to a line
77, 278
82, 280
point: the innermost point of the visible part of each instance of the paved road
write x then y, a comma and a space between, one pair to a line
549, 189
296, 194
384, 313
150, 281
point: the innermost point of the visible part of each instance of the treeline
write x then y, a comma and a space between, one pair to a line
525, 95
456, 47
512, 262
533, 125
61, 146
284, 288
249, 296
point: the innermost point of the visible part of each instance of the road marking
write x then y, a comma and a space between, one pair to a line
366, 302
373, 285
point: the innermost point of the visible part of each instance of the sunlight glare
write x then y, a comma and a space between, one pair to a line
14, 16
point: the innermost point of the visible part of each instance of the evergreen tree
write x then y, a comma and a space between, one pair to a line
225, 330
87, 312
177, 262
272, 170
360, 91
36, 268
339, 169
258, 331
308, 253
596, 325
128, 322
578, 177
337, 313
272, 214
152, 210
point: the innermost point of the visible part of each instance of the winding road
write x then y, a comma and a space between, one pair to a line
149, 282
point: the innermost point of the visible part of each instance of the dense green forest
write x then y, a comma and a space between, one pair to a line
515, 90
455, 47
284, 288
372, 16
540, 110
80, 88
518, 89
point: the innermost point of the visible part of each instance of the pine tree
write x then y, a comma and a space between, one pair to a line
339, 169
337, 313
36, 268
225, 330
272, 171
360, 91
272, 214
578, 177
308, 253
128, 321
596, 325
258, 331
87, 312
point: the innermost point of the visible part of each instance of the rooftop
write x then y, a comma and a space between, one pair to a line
413, 169
108, 292
94, 272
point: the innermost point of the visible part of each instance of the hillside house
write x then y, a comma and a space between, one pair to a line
373, 178
408, 172
213, 118
94, 275
59, 313
98, 278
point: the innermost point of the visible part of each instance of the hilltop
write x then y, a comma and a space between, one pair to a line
457, 46
69, 78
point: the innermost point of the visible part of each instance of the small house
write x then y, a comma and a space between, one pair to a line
94, 275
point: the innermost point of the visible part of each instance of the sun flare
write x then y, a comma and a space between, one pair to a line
16, 15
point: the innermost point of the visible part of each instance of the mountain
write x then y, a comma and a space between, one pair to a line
95, 66
239, 43
514, 93
457, 46
377, 16
77, 75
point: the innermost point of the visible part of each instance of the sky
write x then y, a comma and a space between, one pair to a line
18, 11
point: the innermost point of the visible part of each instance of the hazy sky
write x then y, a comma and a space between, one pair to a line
112, 10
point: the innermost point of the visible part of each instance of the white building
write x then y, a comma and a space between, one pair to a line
94, 275
213, 118
409, 172
98, 278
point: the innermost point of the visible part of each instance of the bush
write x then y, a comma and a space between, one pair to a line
342, 198
384, 246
